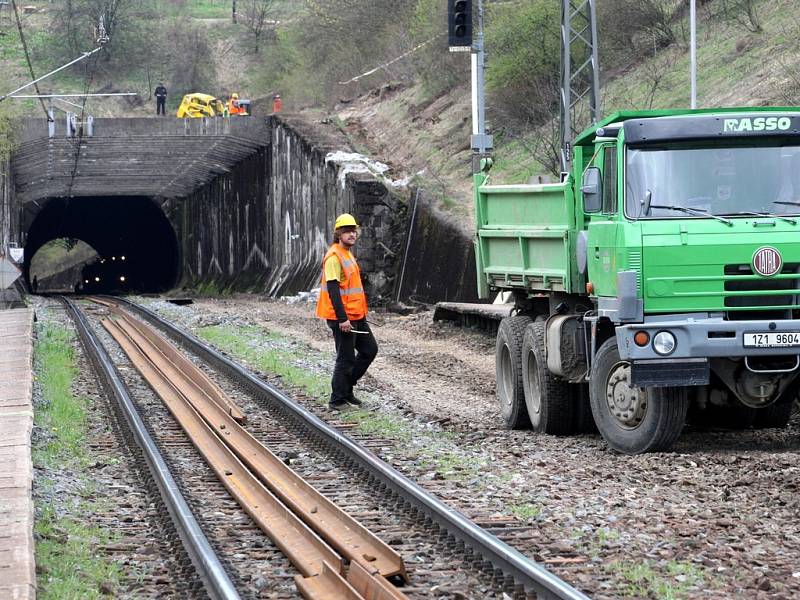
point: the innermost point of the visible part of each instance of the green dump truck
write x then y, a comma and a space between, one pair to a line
660, 279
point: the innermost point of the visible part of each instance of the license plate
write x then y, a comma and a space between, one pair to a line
772, 339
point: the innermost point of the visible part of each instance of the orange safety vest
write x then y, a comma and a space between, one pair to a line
351, 289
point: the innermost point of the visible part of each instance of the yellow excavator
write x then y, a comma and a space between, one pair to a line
200, 105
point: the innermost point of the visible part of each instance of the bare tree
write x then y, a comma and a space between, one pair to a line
257, 16
661, 68
743, 12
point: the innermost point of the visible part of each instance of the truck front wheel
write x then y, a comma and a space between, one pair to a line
508, 370
633, 420
549, 403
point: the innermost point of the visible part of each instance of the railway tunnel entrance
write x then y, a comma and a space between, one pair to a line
137, 249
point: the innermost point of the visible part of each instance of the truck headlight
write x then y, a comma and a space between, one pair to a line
664, 343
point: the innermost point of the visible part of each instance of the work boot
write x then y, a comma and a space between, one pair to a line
339, 406
353, 401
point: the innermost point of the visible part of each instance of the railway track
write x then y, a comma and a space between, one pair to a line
439, 544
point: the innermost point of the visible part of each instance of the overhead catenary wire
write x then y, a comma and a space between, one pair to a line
386, 64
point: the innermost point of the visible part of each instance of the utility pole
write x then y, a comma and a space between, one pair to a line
580, 72
693, 50
480, 141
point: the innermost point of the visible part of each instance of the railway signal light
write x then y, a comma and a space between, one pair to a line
459, 24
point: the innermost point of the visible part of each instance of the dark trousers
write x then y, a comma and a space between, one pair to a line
160, 102
354, 354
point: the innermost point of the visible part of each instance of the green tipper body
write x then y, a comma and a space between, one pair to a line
526, 236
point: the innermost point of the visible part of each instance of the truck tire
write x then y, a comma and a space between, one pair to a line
508, 371
774, 415
549, 403
633, 420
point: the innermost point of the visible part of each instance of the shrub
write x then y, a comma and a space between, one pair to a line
524, 54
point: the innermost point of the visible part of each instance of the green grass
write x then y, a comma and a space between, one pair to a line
279, 357
67, 561
386, 426
668, 581
212, 289
211, 9
67, 558
526, 511
449, 464
273, 353
595, 542
62, 415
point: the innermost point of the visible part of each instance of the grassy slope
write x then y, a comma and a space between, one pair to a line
734, 68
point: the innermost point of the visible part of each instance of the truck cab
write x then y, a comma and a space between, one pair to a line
661, 275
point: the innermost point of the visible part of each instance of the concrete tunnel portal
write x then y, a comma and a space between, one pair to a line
223, 204
137, 246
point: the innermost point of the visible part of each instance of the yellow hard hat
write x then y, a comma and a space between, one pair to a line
345, 220
234, 95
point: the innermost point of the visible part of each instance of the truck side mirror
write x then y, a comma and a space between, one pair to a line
592, 189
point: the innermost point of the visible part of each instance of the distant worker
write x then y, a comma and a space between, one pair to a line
233, 105
343, 304
35, 284
277, 103
161, 99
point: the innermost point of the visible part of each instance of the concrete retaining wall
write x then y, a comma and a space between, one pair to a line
440, 265
266, 225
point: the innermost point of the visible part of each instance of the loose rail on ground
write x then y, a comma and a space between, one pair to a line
506, 561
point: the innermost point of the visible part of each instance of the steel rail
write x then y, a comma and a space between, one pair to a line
299, 544
183, 365
205, 560
509, 561
346, 535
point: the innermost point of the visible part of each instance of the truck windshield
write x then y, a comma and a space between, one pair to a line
740, 180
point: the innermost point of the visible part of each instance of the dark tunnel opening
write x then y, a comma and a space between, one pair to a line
136, 244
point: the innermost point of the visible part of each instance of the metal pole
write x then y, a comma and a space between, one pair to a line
596, 102
693, 49
74, 95
481, 143
566, 83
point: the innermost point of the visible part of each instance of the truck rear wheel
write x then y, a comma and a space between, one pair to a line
549, 403
508, 371
633, 420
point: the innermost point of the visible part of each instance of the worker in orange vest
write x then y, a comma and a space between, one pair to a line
277, 103
233, 104
343, 304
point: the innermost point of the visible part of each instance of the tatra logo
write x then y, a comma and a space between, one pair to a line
767, 261
756, 124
